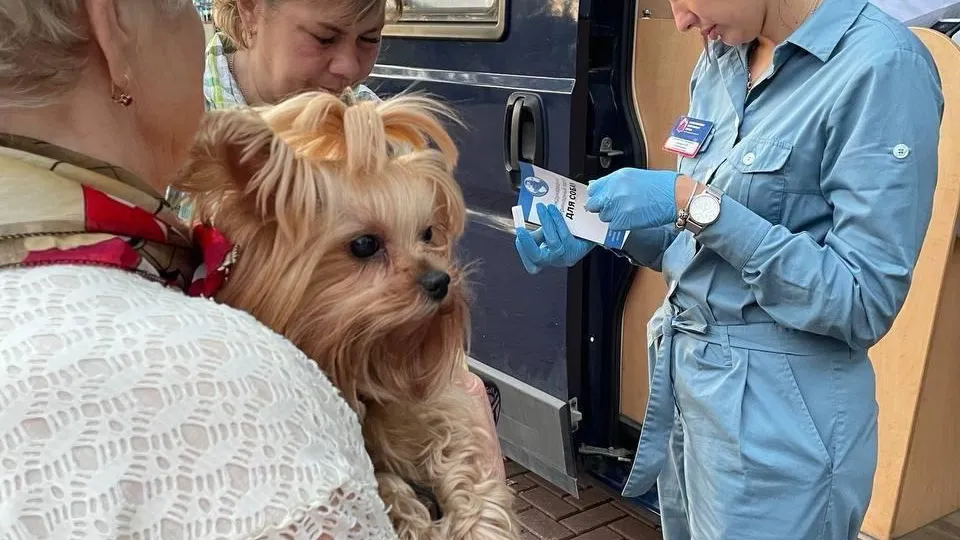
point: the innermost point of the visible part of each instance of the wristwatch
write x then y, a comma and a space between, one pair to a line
702, 210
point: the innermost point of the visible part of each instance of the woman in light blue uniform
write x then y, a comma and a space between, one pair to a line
788, 240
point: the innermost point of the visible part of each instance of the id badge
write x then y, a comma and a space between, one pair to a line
687, 136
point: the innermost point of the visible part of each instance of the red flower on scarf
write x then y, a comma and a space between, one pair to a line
128, 232
107, 214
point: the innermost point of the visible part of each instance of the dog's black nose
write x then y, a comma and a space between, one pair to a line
435, 283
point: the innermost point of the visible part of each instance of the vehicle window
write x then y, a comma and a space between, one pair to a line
468, 19
450, 10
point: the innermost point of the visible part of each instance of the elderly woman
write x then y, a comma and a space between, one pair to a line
129, 407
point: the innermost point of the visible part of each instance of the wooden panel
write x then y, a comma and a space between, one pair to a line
663, 60
931, 481
646, 294
900, 360
907, 359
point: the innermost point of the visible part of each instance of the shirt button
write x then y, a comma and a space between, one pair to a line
748, 158
901, 151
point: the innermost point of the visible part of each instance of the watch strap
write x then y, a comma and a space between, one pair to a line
684, 213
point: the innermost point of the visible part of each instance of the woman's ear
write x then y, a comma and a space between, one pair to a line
238, 163
113, 33
230, 150
250, 12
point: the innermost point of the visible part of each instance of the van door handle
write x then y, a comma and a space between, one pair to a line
524, 135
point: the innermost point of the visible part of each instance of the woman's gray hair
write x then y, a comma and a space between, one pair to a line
42, 48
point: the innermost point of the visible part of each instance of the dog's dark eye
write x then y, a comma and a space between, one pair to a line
365, 246
427, 235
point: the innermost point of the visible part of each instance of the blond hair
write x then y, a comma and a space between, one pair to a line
226, 15
43, 48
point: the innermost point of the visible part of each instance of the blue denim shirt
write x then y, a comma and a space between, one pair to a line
828, 166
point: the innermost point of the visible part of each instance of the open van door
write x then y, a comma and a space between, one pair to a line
533, 80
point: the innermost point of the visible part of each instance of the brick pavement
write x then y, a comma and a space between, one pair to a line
547, 513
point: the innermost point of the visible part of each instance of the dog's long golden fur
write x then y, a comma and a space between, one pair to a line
346, 216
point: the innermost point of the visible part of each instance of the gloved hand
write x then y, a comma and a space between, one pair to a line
634, 198
551, 244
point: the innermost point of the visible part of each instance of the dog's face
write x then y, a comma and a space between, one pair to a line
346, 222
386, 300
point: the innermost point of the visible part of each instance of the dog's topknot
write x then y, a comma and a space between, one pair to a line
363, 135
287, 156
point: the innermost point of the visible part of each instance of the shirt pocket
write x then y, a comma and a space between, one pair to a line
759, 170
695, 167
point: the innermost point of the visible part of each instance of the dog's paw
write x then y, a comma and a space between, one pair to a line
411, 518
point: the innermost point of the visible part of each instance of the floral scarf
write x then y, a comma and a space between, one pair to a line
64, 208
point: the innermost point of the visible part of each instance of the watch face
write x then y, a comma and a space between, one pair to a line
704, 209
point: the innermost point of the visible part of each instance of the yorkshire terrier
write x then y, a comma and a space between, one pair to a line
345, 216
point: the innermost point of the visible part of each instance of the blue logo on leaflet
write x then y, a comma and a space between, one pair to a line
536, 186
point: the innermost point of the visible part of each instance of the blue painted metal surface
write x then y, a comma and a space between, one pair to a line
520, 323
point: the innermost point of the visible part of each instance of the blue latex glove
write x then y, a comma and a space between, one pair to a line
551, 244
634, 198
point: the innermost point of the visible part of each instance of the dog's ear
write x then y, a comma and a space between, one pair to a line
231, 147
239, 164
246, 144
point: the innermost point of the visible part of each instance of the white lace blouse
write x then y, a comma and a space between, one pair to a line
131, 411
